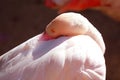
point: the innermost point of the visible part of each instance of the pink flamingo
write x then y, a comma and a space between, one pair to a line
109, 7
71, 48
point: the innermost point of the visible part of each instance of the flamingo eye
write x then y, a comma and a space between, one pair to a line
52, 30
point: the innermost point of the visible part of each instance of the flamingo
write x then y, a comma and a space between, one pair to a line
70, 48
109, 7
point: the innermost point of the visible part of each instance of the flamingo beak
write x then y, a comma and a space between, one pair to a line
45, 37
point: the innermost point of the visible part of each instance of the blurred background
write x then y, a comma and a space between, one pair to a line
23, 19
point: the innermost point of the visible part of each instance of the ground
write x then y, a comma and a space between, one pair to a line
23, 19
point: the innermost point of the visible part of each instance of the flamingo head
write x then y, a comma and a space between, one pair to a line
67, 24
73, 24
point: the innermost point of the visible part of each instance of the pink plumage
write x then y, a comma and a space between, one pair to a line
54, 57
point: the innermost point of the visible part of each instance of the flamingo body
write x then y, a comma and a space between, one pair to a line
65, 58
47, 57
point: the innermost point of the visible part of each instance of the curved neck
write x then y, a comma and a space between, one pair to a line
96, 35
